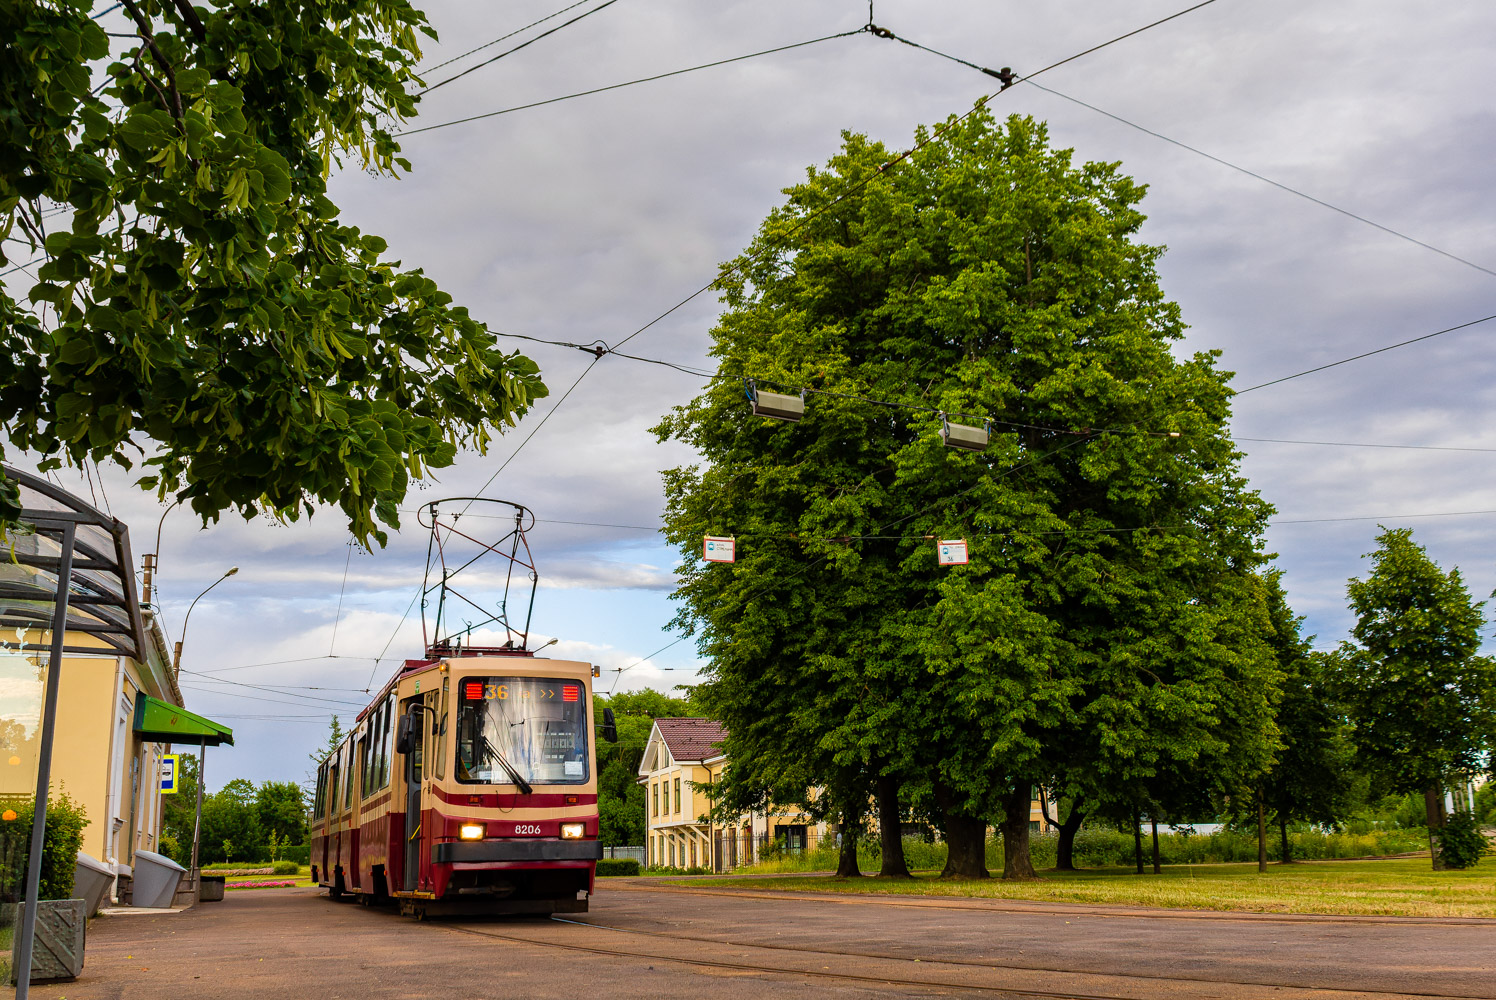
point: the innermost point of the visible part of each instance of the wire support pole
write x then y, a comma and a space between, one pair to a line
44, 765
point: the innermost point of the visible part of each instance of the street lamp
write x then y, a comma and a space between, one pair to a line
202, 752
176, 657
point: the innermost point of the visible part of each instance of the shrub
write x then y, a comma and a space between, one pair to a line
617, 866
1462, 843
286, 868
168, 847
60, 847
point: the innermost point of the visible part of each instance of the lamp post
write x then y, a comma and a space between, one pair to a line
176, 656
202, 750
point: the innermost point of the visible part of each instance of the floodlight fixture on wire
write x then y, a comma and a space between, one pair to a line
962, 436
779, 406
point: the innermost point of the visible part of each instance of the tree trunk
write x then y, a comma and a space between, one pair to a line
1065, 849
1017, 864
851, 830
890, 829
1433, 808
1261, 835
1158, 869
1285, 855
965, 839
1137, 838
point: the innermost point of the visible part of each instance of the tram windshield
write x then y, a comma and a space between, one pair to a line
535, 725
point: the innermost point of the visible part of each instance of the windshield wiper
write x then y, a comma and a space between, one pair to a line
491, 752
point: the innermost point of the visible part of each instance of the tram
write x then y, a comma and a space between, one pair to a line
469, 783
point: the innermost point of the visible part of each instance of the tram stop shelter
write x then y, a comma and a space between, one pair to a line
89, 700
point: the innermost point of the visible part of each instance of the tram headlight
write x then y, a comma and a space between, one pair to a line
572, 831
471, 831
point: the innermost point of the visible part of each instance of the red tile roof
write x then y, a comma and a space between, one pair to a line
691, 739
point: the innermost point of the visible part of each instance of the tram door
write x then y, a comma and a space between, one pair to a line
413, 764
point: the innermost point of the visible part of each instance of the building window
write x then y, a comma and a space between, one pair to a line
656, 790
677, 795
693, 854
672, 854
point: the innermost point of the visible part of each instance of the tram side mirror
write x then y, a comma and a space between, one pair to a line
610, 726
405, 735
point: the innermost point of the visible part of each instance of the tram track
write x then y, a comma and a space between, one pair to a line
1029, 907
1182, 983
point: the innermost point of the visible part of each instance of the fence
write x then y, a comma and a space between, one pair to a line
637, 853
738, 848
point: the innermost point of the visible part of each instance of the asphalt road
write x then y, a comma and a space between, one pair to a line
645, 939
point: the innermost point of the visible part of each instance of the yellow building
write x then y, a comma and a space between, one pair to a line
681, 755
118, 703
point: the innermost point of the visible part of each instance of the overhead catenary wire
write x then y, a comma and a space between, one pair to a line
1007, 76
502, 38
626, 83
600, 348
524, 44
1367, 354
265, 687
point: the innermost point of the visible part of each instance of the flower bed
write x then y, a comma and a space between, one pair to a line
281, 884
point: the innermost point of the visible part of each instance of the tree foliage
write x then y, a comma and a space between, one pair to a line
1422, 698
1312, 777
1109, 622
200, 302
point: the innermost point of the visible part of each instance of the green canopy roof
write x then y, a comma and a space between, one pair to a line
166, 723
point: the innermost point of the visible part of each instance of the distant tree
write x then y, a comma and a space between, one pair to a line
179, 811
281, 810
1422, 698
1313, 776
229, 816
620, 798
200, 299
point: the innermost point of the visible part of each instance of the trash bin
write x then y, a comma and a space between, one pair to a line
156, 878
91, 881
210, 888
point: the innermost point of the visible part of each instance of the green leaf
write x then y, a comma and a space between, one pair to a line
277, 174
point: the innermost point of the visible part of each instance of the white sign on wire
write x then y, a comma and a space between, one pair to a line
953, 552
722, 550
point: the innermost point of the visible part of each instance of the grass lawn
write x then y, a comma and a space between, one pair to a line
1397, 887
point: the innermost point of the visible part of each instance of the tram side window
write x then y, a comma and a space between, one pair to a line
385, 737
332, 783
358, 752
347, 774
319, 801
441, 740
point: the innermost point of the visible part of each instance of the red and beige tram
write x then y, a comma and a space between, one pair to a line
468, 784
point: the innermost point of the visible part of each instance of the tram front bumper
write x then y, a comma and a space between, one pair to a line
471, 851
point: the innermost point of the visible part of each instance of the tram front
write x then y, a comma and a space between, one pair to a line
510, 823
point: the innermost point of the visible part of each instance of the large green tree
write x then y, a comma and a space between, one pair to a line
1422, 698
1109, 617
200, 305
1312, 778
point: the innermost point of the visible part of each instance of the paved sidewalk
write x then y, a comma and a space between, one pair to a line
676, 941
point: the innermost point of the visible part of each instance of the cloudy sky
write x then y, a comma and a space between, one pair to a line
587, 218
